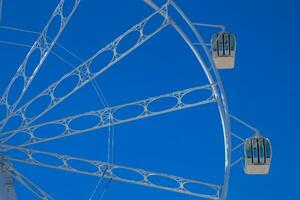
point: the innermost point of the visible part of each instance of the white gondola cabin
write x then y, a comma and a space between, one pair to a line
223, 50
258, 155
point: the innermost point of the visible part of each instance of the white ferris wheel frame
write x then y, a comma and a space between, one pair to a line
106, 169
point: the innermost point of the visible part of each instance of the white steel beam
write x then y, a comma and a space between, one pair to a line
110, 171
87, 71
109, 115
42, 47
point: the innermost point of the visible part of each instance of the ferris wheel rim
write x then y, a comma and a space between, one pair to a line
218, 89
218, 92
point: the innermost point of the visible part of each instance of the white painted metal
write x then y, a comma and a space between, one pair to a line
107, 116
83, 73
43, 45
219, 93
255, 130
108, 170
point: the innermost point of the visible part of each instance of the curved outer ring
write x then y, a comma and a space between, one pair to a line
218, 88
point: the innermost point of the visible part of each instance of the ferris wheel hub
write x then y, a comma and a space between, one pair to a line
7, 191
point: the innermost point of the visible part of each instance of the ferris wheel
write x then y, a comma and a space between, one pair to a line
212, 56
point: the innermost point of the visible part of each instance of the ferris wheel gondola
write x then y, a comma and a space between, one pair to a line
258, 155
223, 50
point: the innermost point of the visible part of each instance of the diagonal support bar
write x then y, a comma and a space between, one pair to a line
237, 161
111, 171
42, 47
89, 70
111, 115
255, 130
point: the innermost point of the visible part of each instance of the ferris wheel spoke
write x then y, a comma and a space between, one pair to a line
110, 171
27, 183
87, 71
110, 115
38, 52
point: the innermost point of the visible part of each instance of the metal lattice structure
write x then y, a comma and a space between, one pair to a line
107, 170
107, 116
43, 46
85, 73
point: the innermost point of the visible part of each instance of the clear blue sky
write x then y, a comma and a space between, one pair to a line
263, 90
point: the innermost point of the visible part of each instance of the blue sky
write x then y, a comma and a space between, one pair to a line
262, 90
